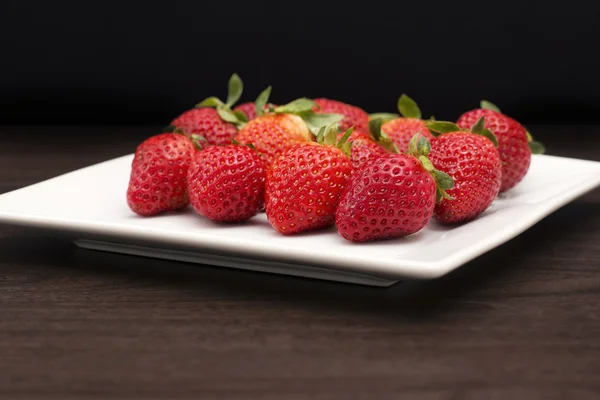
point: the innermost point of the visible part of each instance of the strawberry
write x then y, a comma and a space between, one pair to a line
305, 182
364, 148
473, 162
158, 174
271, 133
391, 196
212, 119
353, 116
515, 145
401, 129
227, 183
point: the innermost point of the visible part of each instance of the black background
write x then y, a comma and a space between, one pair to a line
109, 62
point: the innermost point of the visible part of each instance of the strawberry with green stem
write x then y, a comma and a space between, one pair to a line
214, 119
515, 144
472, 159
401, 128
305, 182
272, 131
392, 196
353, 116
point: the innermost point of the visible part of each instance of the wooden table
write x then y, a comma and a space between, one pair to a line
522, 321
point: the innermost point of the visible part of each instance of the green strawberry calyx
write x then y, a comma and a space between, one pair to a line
305, 109
488, 105
419, 147
328, 136
261, 101
235, 89
198, 141
381, 137
441, 127
407, 107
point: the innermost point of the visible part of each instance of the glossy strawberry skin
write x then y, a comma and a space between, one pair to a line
512, 143
249, 109
227, 183
391, 196
272, 134
304, 185
353, 116
364, 148
401, 130
158, 174
473, 162
206, 123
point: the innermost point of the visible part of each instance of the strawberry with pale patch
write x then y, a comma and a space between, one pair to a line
227, 183
391, 196
158, 174
471, 158
401, 128
213, 119
305, 182
515, 144
273, 132
353, 116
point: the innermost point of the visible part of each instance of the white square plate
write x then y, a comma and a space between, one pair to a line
89, 207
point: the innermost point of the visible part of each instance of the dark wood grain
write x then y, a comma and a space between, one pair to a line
522, 321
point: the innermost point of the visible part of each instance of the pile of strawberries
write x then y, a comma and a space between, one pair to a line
311, 164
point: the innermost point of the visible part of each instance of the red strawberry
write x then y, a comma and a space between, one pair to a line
353, 116
227, 183
400, 130
391, 196
212, 119
473, 161
364, 148
206, 122
158, 174
287, 125
305, 182
513, 141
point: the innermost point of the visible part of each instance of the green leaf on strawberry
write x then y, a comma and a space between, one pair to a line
419, 147
385, 117
408, 107
236, 87
489, 106
439, 127
262, 100
380, 136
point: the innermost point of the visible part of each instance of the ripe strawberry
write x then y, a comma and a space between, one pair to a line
158, 174
305, 182
212, 119
400, 130
289, 124
473, 162
353, 116
391, 196
514, 144
364, 148
227, 183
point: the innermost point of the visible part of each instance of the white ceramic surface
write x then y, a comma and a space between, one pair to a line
89, 206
